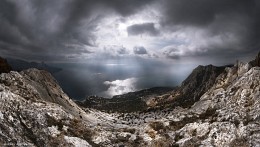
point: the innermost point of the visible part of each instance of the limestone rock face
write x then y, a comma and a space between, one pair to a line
34, 111
192, 88
200, 80
234, 101
33, 84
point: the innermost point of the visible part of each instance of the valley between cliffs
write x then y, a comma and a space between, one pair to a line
214, 106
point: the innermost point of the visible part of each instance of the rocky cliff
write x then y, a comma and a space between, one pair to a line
201, 79
34, 111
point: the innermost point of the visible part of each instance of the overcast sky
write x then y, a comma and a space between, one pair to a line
88, 31
73, 30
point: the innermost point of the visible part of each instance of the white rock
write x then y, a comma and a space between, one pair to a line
1, 116
77, 142
53, 131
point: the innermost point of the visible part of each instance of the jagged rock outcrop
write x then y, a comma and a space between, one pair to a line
234, 105
34, 111
4, 66
197, 83
33, 84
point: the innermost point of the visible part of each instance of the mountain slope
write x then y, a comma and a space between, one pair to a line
34, 111
192, 88
234, 102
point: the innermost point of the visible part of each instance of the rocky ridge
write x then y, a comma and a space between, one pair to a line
35, 112
20, 65
201, 79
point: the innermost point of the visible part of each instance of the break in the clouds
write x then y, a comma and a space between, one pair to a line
50, 29
119, 87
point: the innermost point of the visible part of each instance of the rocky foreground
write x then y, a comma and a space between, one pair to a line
34, 111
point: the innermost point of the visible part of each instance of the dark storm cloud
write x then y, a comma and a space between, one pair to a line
235, 23
144, 28
47, 27
35, 29
203, 12
139, 50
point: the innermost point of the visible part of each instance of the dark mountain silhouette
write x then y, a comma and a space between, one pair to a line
19, 65
4, 66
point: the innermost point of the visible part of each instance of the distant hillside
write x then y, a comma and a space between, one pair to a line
19, 65
129, 102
